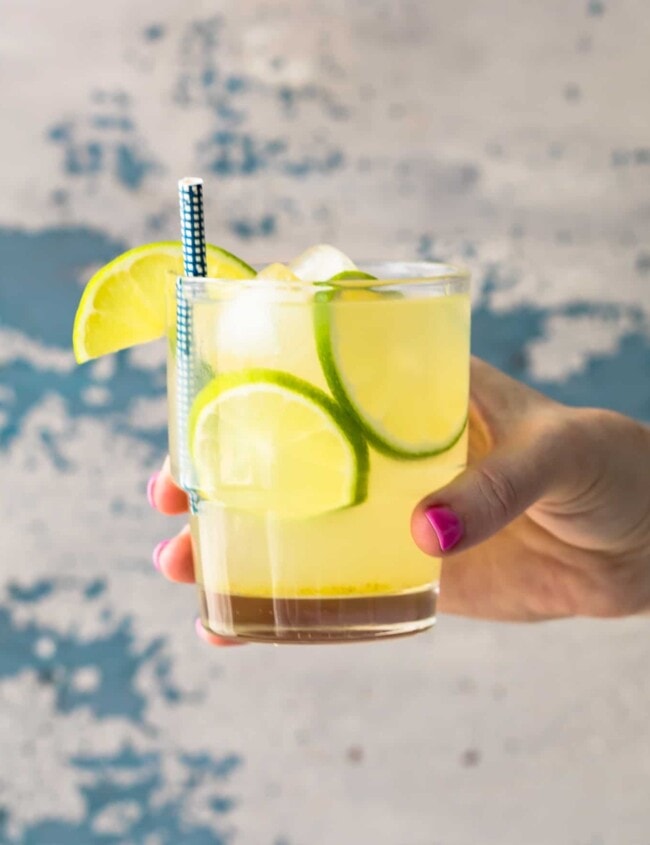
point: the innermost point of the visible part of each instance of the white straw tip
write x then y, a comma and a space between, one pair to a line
189, 181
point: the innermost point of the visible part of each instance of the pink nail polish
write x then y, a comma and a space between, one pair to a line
150, 488
156, 553
447, 525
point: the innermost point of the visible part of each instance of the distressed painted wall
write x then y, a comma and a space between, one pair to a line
515, 137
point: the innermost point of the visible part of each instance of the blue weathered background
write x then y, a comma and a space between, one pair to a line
514, 136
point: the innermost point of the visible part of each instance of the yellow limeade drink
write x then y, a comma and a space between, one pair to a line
317, 408
311, 406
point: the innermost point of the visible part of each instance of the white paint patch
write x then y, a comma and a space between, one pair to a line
96, 395
31, 749
116, 819
16, 346
86, 679
45, 648
147, 414
571, 342
149, 356
104, 368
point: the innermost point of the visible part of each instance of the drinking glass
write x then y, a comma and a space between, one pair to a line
306, 422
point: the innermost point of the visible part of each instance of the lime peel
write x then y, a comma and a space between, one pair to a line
324, 417
124, 304
352, 276
324, 314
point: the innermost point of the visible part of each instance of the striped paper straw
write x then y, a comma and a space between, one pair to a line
190, 192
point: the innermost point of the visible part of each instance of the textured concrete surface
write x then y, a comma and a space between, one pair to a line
515, 136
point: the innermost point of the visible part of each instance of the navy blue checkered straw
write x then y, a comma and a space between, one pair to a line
190, 192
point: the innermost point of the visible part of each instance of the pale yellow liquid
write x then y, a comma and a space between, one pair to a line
360, 552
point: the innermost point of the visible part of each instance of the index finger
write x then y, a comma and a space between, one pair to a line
164, 494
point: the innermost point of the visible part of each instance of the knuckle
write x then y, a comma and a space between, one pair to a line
498, 492
559, 430
585, 437
569, 441
595, 426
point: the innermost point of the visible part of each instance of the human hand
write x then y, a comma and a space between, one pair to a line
551, 518
173, 557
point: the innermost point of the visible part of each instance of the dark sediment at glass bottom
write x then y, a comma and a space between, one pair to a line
317, 620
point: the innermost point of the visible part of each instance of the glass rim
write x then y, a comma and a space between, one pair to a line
443, 277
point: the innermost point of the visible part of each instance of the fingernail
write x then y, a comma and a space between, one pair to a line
157, 552
198, 627
447, 525
150, 488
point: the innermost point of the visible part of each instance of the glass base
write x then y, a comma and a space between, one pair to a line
317, 620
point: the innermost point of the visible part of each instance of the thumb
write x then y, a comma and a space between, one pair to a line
488, 495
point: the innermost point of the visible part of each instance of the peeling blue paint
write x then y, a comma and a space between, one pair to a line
104, 143
221, 804
60, 132
136, 779
126, 758
236, 84
642, 263
114, 656
248, 228
60, 197
50, 263
107, 121
131, 166
154, 32
292, 97
609, 380
426, 249
84, 159
619, 158
31, 593
95, 588
324, 163
202, 765
232, 148
233, 153
52, 446
639, 156
125, 387
572, 92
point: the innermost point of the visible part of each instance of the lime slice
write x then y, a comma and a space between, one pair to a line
267, 440
124, 304
352, 276
398, 365
277, 273
319, 263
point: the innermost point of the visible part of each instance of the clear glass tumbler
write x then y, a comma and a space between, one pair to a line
306, 421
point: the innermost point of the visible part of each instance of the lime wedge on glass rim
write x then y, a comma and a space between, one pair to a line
406, 397
124, 303
267, 440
